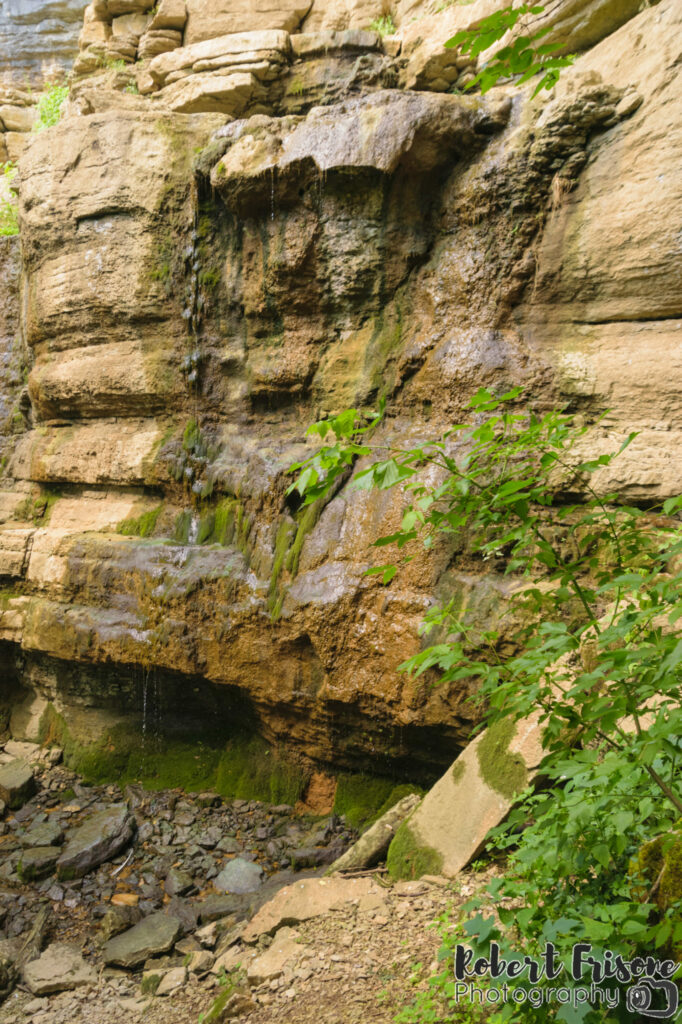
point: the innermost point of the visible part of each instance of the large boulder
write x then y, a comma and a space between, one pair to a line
97, 840
209, 18
450, 826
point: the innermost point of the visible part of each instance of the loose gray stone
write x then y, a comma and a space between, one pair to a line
37, 862
59, 968
178, 882
151, 937
98, 839
17, 783
49, 833
239, 876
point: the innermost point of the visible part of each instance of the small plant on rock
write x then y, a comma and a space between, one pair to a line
522, 59
49, 107
384, 25
9, 222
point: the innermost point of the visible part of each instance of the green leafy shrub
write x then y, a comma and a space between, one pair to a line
9, 206
590, 644
522, 59
384, 25
49, 107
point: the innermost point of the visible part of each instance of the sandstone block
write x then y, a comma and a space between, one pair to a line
154, 43
130, 25
59, 969
449, 828
311, 44
233, 44
270, 964
209, 18
170, 14
301, 901
209, 93
16, 119
95, 29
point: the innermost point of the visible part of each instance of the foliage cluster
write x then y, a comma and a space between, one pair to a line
49, 107
521, 59
9, 207
590, 644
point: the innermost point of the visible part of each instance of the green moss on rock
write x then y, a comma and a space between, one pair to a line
362, 799
502, 770
243, 768
142, 526
407, 858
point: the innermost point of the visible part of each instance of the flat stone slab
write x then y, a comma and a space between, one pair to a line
98, 839
17, 783
239, 876
451, 825
312, 897
60, 968
271, 964
37, 862
48, 833
151, 937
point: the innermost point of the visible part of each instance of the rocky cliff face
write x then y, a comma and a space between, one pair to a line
232, 237
37, 38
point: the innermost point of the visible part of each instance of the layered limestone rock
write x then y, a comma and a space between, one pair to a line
197, 289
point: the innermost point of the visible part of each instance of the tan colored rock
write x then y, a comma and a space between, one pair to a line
15, 143
15, 546
300, 901
312, 44
230, 45
16, 119
338, 15
154, 43
95, 30
450, 826
130, 25
210, 93
577, 24
209, 18
423, 41
60, 968
115, 8
271, 964
170, 14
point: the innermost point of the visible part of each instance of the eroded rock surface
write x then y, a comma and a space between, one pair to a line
197, 289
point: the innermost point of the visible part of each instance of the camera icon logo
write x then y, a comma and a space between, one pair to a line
641, 997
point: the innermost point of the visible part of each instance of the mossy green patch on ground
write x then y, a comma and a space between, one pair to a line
142, 526
407, 858
243, 768
458, 771
362, 799
503, 771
